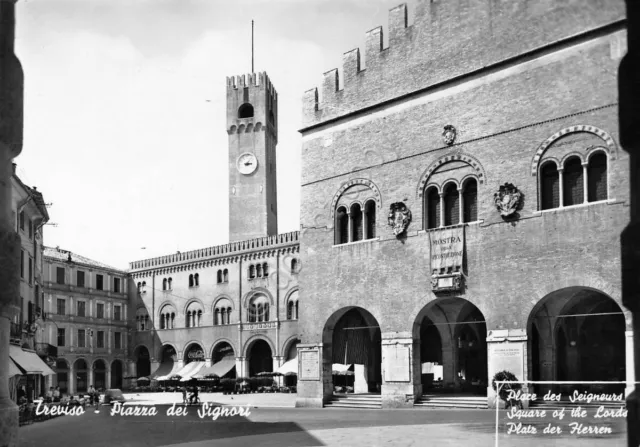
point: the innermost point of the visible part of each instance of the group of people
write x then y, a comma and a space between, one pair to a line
53, 395
193, 397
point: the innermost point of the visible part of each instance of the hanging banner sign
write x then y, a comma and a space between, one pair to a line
447, 248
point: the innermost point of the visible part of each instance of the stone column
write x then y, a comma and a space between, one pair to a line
71, 383
315, 382
277, 362
561, 185
107, 377
585, 182
398, 375
506, 350
242, 367
11, 125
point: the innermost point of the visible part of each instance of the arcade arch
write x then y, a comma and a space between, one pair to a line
453, 349
577, 334
352, 341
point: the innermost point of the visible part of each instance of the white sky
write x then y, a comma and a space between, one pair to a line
125, 127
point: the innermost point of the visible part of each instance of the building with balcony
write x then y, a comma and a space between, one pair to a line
30, 215
87, 310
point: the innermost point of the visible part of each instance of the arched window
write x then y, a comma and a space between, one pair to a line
167, 317
245, 111
258, 309
370, 219
265, 270
342, 226
432, 199
190, 280
169, 283
292, 306
199, 319
549, 186
216, 317
294, 265
597, 177
470, 200
225, 275
164, 284
252, 271
188, 320
259, 270
223, 312
196, 279
139, 286
573, 182
142, 319
451, 205
356, 223
219, 278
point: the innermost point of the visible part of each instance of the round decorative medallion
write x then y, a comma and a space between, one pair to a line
507, 199
247, 163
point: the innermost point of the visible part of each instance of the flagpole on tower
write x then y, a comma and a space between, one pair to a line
252, 46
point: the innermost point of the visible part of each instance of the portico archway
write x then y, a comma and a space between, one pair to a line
577, 334
353, 344
116, 374
143, 361
260, 357
453, 348
80, 369
100, 374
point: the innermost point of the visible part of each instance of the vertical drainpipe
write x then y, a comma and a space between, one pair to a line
239, 354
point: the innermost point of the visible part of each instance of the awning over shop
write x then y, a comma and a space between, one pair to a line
190, 370
220, 369
339, 367
290, 366
13, 369
29, 362
166, 370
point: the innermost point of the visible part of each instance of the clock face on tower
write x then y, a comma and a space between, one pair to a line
247, 163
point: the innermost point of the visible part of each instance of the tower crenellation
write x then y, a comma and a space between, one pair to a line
489, 37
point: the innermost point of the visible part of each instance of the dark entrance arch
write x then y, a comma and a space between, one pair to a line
143, 362
577, 335
453, 348
352, 338
260, 358
80, 369
116, 374
99, 375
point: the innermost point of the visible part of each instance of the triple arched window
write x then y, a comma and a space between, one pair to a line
573, 183
258, 310
222, 312
258, 270
167, 317
452, 204
166, 283
222, 276
194, 280
355, 223
142, 320
295, 265
193, 315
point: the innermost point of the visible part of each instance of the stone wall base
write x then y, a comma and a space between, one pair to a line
309, 402
397, 401
9, 423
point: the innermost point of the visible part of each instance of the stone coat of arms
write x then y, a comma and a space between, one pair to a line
507, 199
399, 218
449, 135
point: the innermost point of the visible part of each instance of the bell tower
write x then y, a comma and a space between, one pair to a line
252, 125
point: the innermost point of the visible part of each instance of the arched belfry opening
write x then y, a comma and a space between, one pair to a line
577, 334
355, 351
245, 111
453, 348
